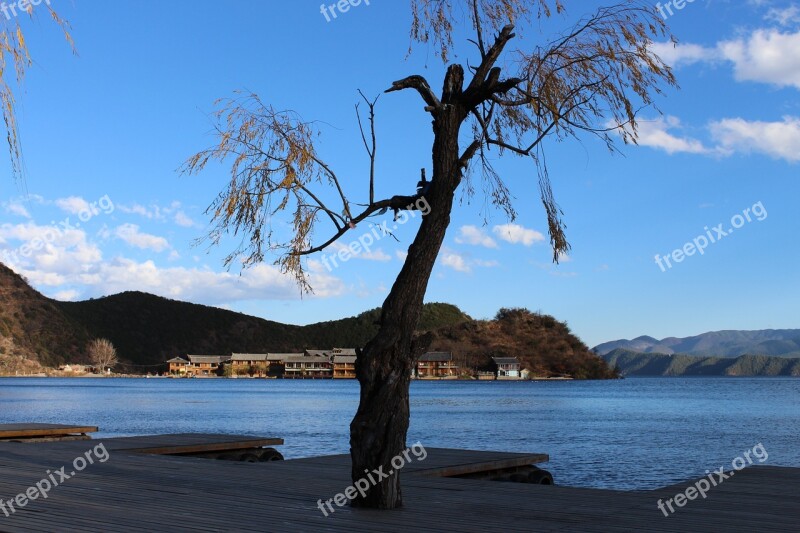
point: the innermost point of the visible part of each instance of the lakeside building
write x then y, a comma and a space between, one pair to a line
277, 363
507, 367
178, 365
206, 365
253, 364
344, 367
313, 364
436, 365
335, 363
344, 363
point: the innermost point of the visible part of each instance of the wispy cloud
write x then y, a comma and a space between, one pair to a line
516, 234
454, 260
368, 255
463, 263
475, 236
765, 55
728, 136
183, 220
780, 140
16, 208
659, 133
786, 16
131, 235
73, 205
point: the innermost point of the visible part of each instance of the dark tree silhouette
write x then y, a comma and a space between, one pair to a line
601, 71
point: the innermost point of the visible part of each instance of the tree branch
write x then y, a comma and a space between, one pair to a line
370, 152
396, 203
476, 92
419, 84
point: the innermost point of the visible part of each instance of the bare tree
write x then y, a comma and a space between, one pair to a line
102, 354
591, 79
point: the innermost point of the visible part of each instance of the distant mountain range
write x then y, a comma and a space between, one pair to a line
728, 343
653, 364
147, 330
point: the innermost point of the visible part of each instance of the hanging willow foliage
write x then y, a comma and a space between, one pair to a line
14, 61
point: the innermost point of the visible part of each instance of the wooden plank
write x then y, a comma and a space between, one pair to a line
482, 467
16, 431
184, 443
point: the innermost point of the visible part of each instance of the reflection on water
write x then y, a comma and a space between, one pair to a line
629, 434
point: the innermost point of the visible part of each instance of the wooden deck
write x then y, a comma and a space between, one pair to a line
142, 492
27, 431
188, 443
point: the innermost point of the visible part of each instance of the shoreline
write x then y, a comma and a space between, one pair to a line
141, 376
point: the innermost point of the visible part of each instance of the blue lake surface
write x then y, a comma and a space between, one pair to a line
637, 433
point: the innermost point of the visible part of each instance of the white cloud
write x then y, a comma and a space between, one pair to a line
130, 234
455, 261
516, 234
49, 254
368, 255
780, 140
785, 17
69, 295
401, 254
475, 236
678, 54
260, 282
563, 257
73, 205
766, 55
183, 220
461, 263
656, 133
63, 263
16, 208
375, 255
154, 212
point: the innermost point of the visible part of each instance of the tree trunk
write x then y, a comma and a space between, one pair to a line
378, 430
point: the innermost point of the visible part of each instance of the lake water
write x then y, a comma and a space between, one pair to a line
637, 433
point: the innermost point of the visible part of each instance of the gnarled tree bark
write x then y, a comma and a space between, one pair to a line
378, 431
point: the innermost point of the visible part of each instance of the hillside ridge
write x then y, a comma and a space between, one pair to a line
147, 330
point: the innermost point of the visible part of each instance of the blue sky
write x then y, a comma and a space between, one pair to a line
112, 125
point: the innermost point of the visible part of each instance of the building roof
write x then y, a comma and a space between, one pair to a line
209, 358
316, 352
177, 360
249, 357
346, 359
505, 360
343, 351
436, 357
281, 356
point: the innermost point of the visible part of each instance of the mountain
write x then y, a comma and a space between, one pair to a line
631, 363
146, 330
728, 343
544, 345
34, 328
